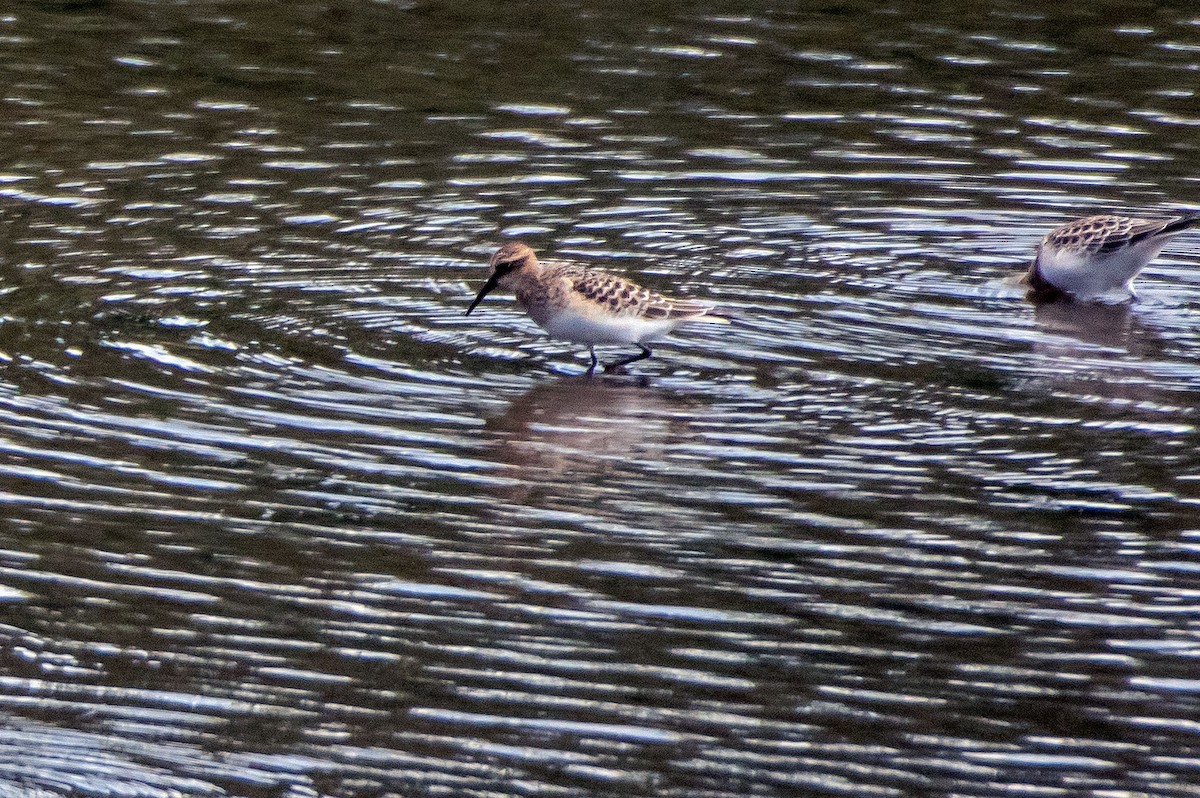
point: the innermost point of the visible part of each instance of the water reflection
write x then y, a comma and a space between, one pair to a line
1089, 324
1108, 353
579, 429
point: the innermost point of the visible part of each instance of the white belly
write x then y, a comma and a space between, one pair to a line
589, 330
1097, 275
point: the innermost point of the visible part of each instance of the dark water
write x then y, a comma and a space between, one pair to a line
280, 521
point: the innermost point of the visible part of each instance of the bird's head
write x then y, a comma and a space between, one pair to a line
510, 258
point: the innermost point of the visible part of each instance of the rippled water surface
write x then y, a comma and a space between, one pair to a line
279, 520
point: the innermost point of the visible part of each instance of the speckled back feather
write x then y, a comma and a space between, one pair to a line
1109, 233
624, 297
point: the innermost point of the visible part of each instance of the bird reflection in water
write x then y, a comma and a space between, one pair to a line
1079, 327
1105, 352
1085, 324
576, 429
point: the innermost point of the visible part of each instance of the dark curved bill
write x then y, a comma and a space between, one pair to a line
487, 289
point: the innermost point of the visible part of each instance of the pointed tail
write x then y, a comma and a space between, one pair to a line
1182, 223
716, 316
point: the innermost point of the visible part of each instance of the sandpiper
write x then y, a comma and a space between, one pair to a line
1097, 257
589, 306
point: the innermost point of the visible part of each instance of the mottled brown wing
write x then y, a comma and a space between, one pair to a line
627, 298
616, 293
1110, 233
1090, 233
1137, 230
662, 308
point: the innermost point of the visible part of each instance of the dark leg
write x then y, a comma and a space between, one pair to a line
645, 353
592, 368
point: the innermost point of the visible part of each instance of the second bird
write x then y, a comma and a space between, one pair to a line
1097, 257
589, 306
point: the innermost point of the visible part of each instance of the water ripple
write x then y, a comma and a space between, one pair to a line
280, 518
